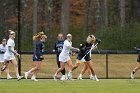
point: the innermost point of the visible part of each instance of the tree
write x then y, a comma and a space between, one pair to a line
35, 3
24, 20
122, 12
106, 12
65, 16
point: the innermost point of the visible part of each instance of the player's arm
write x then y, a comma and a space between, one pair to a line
13, 51
55, 48
74, 49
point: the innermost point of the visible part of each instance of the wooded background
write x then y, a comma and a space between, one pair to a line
115, 22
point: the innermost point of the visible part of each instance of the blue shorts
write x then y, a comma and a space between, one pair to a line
37, 58
81, 55
138, 59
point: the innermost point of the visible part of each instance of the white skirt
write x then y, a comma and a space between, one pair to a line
1, 58
8, 57
63, 58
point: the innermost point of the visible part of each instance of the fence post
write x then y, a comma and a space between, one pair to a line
19, 43
106, 65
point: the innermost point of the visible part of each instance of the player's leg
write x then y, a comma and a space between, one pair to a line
63, 71
32, 70
7, 70
76, 65
69, 62
38, 67
62, 66
92, 71
83, 71
135, 69
14, 62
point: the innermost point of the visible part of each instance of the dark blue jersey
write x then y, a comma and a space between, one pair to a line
39, 49
58, 46
85, 47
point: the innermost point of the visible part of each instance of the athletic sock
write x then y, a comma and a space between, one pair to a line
80, 75
33, 77
17, 75
70, 73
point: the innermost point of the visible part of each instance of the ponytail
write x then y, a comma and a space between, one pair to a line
38, 36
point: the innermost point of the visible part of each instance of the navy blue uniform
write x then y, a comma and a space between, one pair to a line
84, 48
58, 48
138, 59
38, 53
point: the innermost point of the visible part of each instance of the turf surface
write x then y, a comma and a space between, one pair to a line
77, 86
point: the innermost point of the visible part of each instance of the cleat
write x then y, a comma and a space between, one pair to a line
132, 75
55, 78
9, 77
20, 77
63, 77
94, 78
34, 79
80, 78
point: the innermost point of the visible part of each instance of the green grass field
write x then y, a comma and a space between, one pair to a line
77, 86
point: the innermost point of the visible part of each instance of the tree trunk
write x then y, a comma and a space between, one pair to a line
65, 17
50, 16
106, 12
122, 12
35, 3
24, 21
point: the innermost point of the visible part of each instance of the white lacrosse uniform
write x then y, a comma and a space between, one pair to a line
8, 54
65, 54
2, 51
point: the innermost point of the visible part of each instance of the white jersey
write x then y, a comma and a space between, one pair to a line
65, 54
8, 54
2, 51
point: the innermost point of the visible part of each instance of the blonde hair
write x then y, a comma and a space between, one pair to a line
91, 39
38, 36
43, 36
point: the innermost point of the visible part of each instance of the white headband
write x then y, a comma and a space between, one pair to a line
11, 32
69, 35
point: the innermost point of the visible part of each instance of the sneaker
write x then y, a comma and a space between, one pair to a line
9, 77
94, 78
34, 79
80, 78
26, 75
132, 75
3, 68
20, 77
54, 77
63, 77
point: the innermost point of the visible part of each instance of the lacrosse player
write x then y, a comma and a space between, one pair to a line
2, 51
9, 55
138, 63
85, 56
57, 49
64, 57
39, 39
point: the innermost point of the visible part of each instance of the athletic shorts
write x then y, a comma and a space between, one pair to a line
37, 58
138, 59
8, 57
81, 55
64, 58
1, 58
